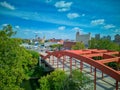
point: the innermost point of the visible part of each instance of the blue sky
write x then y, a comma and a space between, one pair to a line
61, 18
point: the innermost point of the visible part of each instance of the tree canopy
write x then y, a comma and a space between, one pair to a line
56, 46
78, 46
59, 80
15, 61
103, 44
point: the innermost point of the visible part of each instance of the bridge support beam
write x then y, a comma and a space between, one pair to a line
102, 75
49, 59
117, 85
95, 78
57, 62
52, 60
90, 69
70, 65
81, 66
75, 63
63, 62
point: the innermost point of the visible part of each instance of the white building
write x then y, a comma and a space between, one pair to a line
83, 38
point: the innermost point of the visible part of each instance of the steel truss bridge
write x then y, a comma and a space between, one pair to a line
77, 58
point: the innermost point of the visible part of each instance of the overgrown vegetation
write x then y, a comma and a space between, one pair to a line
56, 46
18, 65
59, 80
108, 45
78, 46
15, 62
97, 58
103, 44
114, 65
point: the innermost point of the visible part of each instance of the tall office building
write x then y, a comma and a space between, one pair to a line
97, 36
83, 38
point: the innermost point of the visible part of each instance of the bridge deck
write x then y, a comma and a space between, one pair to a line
82, 60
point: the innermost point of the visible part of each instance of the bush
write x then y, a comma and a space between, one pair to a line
58, 80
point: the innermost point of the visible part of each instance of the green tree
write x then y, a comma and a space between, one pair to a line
34, 54
54, 81
108, 45
114, 65
93, 43
56, 46
15, 61
103, 44
78, 81
26, 41
44, 83
78, 46
59, 80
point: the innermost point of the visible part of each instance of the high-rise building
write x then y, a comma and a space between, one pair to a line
97, 36
83, 38
107, 37
117, 38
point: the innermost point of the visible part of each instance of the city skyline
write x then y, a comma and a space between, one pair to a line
61, 18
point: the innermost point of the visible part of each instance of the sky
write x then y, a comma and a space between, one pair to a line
61, 19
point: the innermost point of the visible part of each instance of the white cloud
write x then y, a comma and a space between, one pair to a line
117, 30
83, 15
3, 25
61, 28
26, 18
63, 9
25, 33
73, 15
98, 22
7, 5
17, 27
43, 17
63, 6
48, 1
109, 26
78, 29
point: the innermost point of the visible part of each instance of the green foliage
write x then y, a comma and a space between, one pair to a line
26, 41
18, 40
114, 65
7, 32
15, 61
103, 44
58, 80
38, 71
78, 46
44, 83
56, 46
78, 81
97, 58
54, 81
34, 54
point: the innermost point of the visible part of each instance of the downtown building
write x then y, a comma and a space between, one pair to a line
83, 38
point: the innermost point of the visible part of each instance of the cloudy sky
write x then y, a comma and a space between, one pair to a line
61, 18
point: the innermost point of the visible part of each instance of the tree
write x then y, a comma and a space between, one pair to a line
15, 61
54, 81
103, 44
78, 81
56, 46
78, 46
59, 80
114, 65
